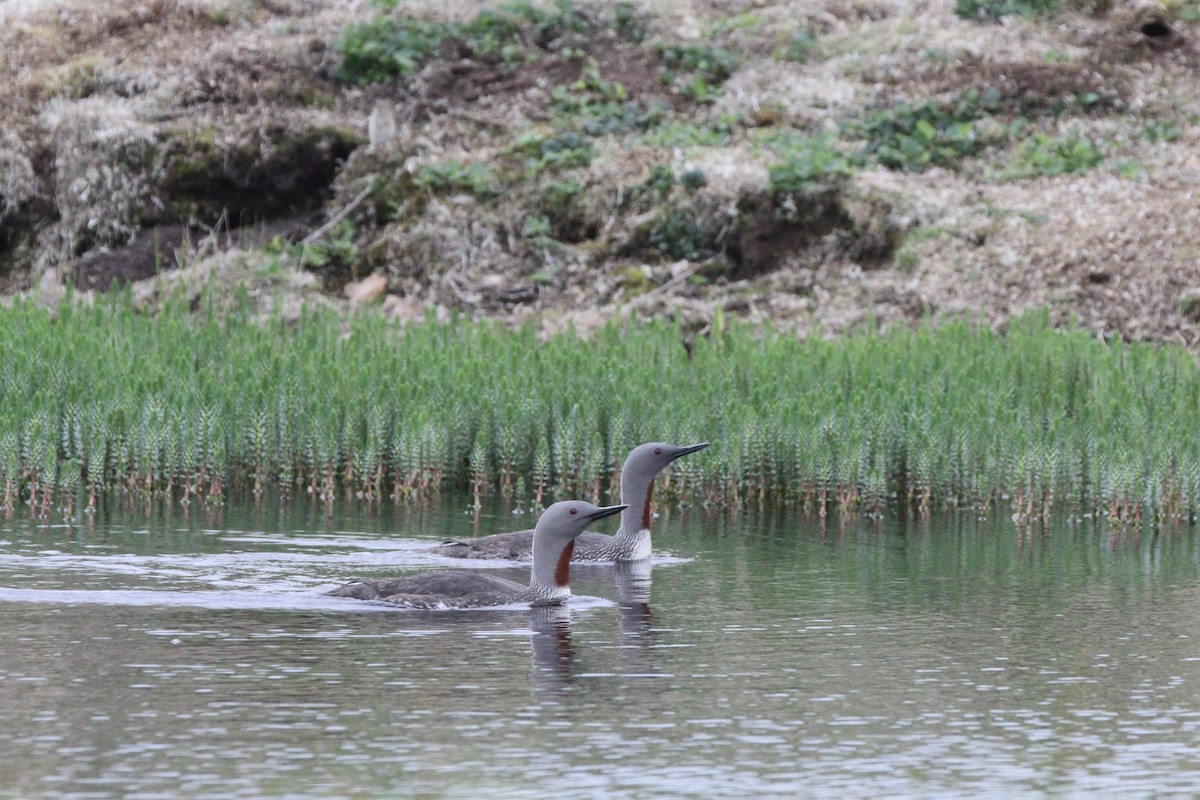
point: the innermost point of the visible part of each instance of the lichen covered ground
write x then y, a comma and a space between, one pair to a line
826, 165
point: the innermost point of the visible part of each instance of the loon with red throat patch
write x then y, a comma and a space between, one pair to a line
549, 580
632, 540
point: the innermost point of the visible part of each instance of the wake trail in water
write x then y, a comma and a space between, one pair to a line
227, 600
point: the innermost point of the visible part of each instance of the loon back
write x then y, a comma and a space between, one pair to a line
443, 585
632, 542
552, 543
518, 546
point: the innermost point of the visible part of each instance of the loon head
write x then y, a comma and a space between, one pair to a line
566, 519
647, 460
555, 533
637, 477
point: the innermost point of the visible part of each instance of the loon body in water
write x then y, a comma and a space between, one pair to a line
632, 542
553, 543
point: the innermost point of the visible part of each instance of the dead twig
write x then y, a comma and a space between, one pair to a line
671, 284
336, 218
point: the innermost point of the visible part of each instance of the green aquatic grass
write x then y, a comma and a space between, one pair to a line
101, 399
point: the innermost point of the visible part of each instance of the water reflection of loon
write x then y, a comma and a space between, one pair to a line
553, 652
636, 647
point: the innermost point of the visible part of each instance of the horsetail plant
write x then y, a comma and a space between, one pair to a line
198, 408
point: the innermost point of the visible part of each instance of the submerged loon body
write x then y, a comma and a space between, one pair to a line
553, 543
632, 541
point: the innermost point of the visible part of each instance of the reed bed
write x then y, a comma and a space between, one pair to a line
196, 407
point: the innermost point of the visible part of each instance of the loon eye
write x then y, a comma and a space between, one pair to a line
574, 512
658, 451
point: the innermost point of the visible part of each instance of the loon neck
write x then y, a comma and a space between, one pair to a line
636, 519
550, 577
632, 541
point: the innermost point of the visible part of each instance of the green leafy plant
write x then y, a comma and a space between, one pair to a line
384, 49
560, 151
1184, 10
336, 249
995, 9
693, 180
1046, 155
703, 69
627, 22
599, 107
654, 190
715, 63
538, 231
798, 47
678, 234
677, 133
536, 227
912, 137
559, 194
1158, 130
906, 260
512, 29
477, 179
745, 21
810, 165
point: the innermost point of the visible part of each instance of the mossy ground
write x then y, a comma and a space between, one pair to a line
850, 162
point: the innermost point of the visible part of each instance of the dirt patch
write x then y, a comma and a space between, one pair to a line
1138, 31
638, 70
826, 224
445, 85
151, 251
1037, 88
24, 199
765, 241
274, 171
167, 247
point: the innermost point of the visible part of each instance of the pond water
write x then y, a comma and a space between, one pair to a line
762, 654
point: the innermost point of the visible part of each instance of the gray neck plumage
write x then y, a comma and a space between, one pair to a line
635, 520
549, 581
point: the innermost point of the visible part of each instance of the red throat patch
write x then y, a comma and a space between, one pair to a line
646, 507
562, 572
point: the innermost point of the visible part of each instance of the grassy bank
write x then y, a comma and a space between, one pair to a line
100, 399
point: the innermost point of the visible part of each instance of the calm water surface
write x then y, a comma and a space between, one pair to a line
762, 654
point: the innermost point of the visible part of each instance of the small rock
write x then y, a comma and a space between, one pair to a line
584, 323
50, 285
368, 290
493, 282
404, 309
906, 298
381, 126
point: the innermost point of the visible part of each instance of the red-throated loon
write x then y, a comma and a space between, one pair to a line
553, 541
632, 542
